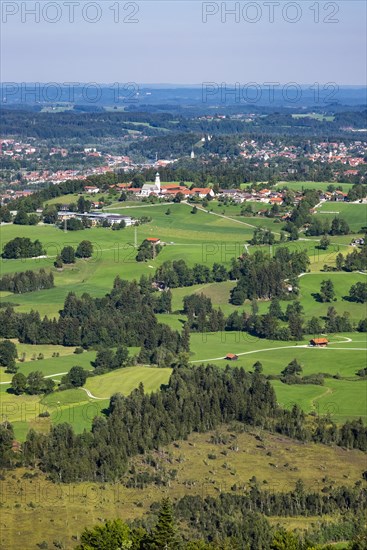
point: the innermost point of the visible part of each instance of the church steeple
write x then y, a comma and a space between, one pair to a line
158, 182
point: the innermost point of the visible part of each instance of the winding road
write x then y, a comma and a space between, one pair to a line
345, 340
93, 396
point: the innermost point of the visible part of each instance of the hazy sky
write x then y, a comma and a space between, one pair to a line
170, 42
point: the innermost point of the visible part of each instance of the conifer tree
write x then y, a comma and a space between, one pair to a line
165, 536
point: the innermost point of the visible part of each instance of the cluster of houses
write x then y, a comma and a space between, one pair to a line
351, 154
269, 196
337, 196
350, 157
331, 152
15, 149
12, 195
168, 190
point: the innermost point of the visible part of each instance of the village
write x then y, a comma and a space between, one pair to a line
168, 191
33, 163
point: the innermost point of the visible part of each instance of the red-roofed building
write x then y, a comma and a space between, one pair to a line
231, 357
203, 191
123, 185
320, 342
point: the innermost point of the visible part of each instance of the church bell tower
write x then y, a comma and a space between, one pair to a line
158, 182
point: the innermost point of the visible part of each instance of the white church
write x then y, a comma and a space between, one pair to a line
151, 188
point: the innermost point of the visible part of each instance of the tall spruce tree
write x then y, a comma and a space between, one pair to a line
165, 535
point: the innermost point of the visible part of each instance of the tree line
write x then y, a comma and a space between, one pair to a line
148, 251
178, 274
354, 261
232, 522
124, 317
22, 247
322, 226
276, 324
27, 281
241, 519
33, 384
268, 274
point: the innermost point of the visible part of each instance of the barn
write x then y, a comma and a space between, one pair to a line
319, 342
231, 357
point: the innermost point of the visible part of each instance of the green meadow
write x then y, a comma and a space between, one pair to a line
197, 238
75, 406
310, 284
319, 185
354, 214
342, 397
50, 365
342, 400
126, 380
73, 197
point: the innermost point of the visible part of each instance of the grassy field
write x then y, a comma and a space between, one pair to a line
68, 199
125, 380
354, 214
320, 185
41, 507
200, 238
219, 293
236, 208
342, 398
75, 406
213, 346
51, 365
310, 284
316, 116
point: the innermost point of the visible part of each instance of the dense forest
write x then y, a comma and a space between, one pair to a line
84, 125
262, 277
125, 316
